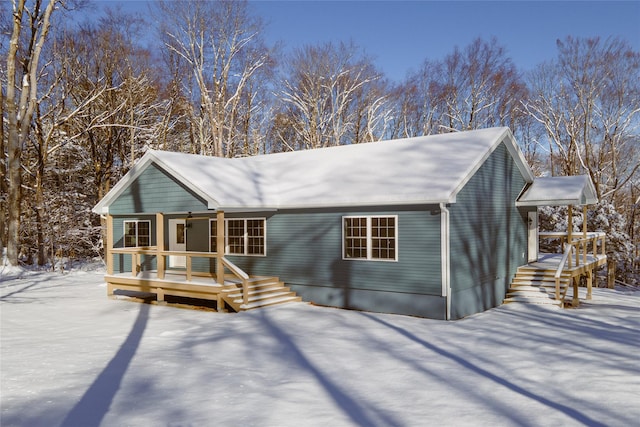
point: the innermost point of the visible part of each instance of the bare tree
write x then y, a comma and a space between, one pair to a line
221, 43
21, 97
333, 95
588, 103
471, 88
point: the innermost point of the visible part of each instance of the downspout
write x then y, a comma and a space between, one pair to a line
445, 257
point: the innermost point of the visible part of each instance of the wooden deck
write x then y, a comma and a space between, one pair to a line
552, 262
261, 291
547, 280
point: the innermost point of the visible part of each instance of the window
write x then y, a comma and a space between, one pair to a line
370, 238
137, 234
243, 236
236, 236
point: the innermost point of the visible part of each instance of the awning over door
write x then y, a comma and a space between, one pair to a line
559, 191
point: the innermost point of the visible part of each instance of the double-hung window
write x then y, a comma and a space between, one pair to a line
137, 233
246, 236
370, 237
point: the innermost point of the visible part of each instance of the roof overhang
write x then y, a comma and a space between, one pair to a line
559, 191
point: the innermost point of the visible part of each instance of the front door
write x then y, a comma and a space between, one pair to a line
533, 236
177, 242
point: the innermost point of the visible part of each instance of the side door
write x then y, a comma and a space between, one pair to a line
533, 236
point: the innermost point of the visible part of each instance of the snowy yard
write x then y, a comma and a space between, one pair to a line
71, 356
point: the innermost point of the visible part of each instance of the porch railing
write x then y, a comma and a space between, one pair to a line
236, 271
576, 249
136, 266
584, 244
568, 249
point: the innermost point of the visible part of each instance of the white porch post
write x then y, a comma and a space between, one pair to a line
160, 244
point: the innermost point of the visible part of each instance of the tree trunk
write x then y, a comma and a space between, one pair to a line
19, 113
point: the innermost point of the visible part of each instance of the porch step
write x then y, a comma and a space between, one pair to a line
262, 292
529, 300
536, 286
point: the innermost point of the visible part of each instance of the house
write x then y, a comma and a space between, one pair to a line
434, 226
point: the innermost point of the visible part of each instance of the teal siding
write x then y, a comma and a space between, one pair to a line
122, 262
156, 191
488, 241
305, 248
488, 235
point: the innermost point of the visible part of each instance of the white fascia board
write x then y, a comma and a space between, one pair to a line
358, 205
518, 156
555, 202
243, 209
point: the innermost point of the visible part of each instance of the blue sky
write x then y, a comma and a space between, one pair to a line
400, 35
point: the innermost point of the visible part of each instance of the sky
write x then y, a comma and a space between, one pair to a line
400, 35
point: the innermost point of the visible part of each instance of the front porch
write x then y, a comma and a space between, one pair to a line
151, 271
547, 279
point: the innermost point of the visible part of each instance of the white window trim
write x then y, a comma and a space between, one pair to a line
370, 239
124, 234
245, 236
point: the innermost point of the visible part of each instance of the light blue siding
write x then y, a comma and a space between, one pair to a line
122, 262
156, 191
488, 235
304, 248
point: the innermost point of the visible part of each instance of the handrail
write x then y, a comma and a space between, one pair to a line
568, 248
239, 273
580, 242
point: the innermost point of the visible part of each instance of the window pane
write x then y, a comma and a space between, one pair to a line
144, 233
129, 234
235, 230
383, 240
355, 237
255, 233
180, 234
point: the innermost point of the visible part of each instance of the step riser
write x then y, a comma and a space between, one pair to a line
259, 295
534, 286
251, 287
262, 292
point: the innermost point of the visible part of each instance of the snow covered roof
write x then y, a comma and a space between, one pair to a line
559, 191
427, 169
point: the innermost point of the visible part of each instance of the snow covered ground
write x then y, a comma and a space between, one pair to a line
71, 356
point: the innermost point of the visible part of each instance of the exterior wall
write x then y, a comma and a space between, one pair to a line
488, 236
155, 191
122, 262
304, 249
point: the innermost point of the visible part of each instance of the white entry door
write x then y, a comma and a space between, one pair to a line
177, 242
533, 236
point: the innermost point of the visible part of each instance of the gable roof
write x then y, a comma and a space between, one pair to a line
427, 169
559, 191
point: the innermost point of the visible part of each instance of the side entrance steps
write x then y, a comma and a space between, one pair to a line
537, 286
263, 291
